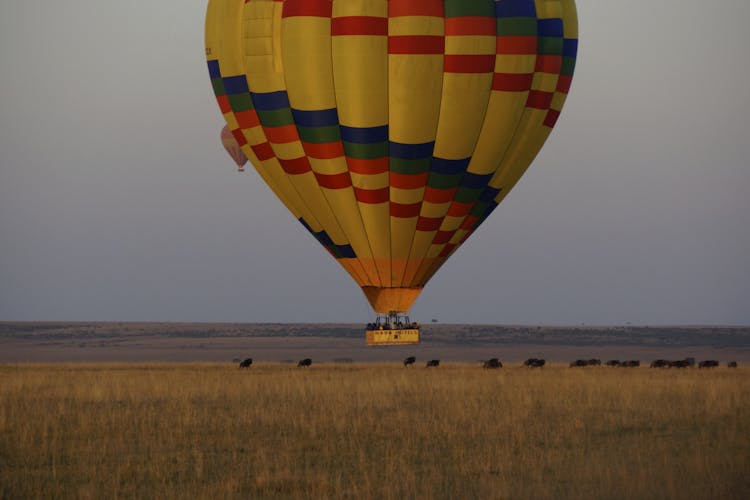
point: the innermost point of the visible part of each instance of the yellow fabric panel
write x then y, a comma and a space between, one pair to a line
515, 63
558, 101
231, 121
416, 25
264, 75
504, 111
415, 83
306, 49
402, 233
546, 82
360, 81
370, 8
223, 32
375, 217
306, 43
547, 9
422, 239
433, 210
458, 236
473, 44
360, 68
451, 223
570, 19
329, 166
360, 73
261, 65
462, 112
406, 196
288, 150
378, 181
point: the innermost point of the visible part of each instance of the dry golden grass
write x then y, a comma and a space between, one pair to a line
372, 431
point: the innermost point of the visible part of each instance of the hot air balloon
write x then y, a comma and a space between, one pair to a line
391, 129
233, 148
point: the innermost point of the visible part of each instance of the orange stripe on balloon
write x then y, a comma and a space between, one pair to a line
335, 181
474, 63
470, 25
548, 64
458, 209
263, 151
512, 82
281, 135
403, 181
367, 167
416, 44
405, 211
296, 166
516, 45
429, 223
359, 25
372, 196
313, 8
247, 119
400, 8
324, 151
433, 195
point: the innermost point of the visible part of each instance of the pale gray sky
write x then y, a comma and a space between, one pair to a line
117, 201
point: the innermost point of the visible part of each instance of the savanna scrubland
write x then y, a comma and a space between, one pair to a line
372, 430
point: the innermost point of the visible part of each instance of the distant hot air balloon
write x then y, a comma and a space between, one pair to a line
233, 148
391, 129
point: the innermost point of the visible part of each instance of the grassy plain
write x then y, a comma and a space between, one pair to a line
203, 430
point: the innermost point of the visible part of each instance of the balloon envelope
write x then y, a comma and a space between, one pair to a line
233, 148
391, 129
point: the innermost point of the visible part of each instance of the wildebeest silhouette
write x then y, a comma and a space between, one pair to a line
492, 363
579, 362
433, 362
660, 363
732, 364
682, 363
613, 362
595, 362
410, 361
304, 363
709, 363
246, 363
633, 363
534, 363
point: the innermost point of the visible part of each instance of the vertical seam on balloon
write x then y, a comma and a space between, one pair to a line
304, 149
421, 202
505, 191
424, 266
287, 175
348, 168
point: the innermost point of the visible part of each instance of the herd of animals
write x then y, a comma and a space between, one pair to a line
494, 363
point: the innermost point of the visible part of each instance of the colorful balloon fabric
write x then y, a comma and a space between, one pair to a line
391, 129
233, 148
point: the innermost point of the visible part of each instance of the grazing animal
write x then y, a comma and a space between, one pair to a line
732, 364
595, 362
660, 363
579, 362
683, 363
410, 361
492, 363
633, 363
246, 363
709, 363
304, 363
534, 363
613, 362
433, 362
